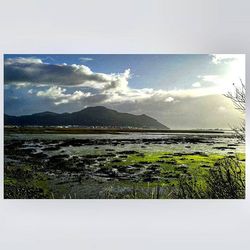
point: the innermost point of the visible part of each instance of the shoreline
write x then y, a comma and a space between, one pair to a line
56, 130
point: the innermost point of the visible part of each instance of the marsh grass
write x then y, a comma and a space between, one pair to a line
225, 180
180, 176
157, 191
22, 183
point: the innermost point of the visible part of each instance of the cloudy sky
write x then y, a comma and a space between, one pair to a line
181, 91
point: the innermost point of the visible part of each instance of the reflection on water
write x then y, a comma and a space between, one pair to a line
214, 142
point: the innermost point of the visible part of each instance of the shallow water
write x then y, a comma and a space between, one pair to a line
214, 140
121, 135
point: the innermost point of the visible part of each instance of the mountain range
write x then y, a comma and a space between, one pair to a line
89, 117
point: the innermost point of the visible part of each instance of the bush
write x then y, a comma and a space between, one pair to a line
225, 180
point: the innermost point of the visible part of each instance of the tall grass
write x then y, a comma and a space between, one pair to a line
225, 180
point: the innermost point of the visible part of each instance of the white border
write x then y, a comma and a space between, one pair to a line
159, 26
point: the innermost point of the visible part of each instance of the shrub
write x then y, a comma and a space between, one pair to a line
225, 180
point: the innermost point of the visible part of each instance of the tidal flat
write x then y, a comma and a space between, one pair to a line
110, 164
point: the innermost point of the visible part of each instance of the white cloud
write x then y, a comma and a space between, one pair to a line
85, 59
59, 95
196, 85
226, 58
20, 85
78, 95
22, 60
169, 99
53, 93
210, 78
235, 67
234, 71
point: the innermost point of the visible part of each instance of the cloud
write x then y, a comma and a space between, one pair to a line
210, 78
85, 59
196, 85
213, 81
59, 96
169, 99
110, 88
35, 72
20, 85
226, 58
22, 60
53, 93
123, 95
199, 112
235, 66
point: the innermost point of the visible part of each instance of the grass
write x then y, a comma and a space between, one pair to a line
171, 162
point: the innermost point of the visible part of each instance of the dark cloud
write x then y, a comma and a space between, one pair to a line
29, 70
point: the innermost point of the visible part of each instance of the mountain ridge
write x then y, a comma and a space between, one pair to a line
98, 116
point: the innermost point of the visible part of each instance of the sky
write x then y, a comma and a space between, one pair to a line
180, 91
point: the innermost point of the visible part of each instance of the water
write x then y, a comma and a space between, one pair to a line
134, 141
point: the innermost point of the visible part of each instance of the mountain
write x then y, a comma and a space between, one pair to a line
91, 116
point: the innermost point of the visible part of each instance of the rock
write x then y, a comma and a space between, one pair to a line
183, 166
144, 162
90, 156
110, 155
166, 156
224, 148
40, 155
205, 166
140, 155
199, 153
116, 160
161, 161
123, 156
128, 152
101, 159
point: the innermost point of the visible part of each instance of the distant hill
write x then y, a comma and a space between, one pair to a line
91, 116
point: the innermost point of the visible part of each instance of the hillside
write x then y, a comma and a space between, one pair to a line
92, 116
